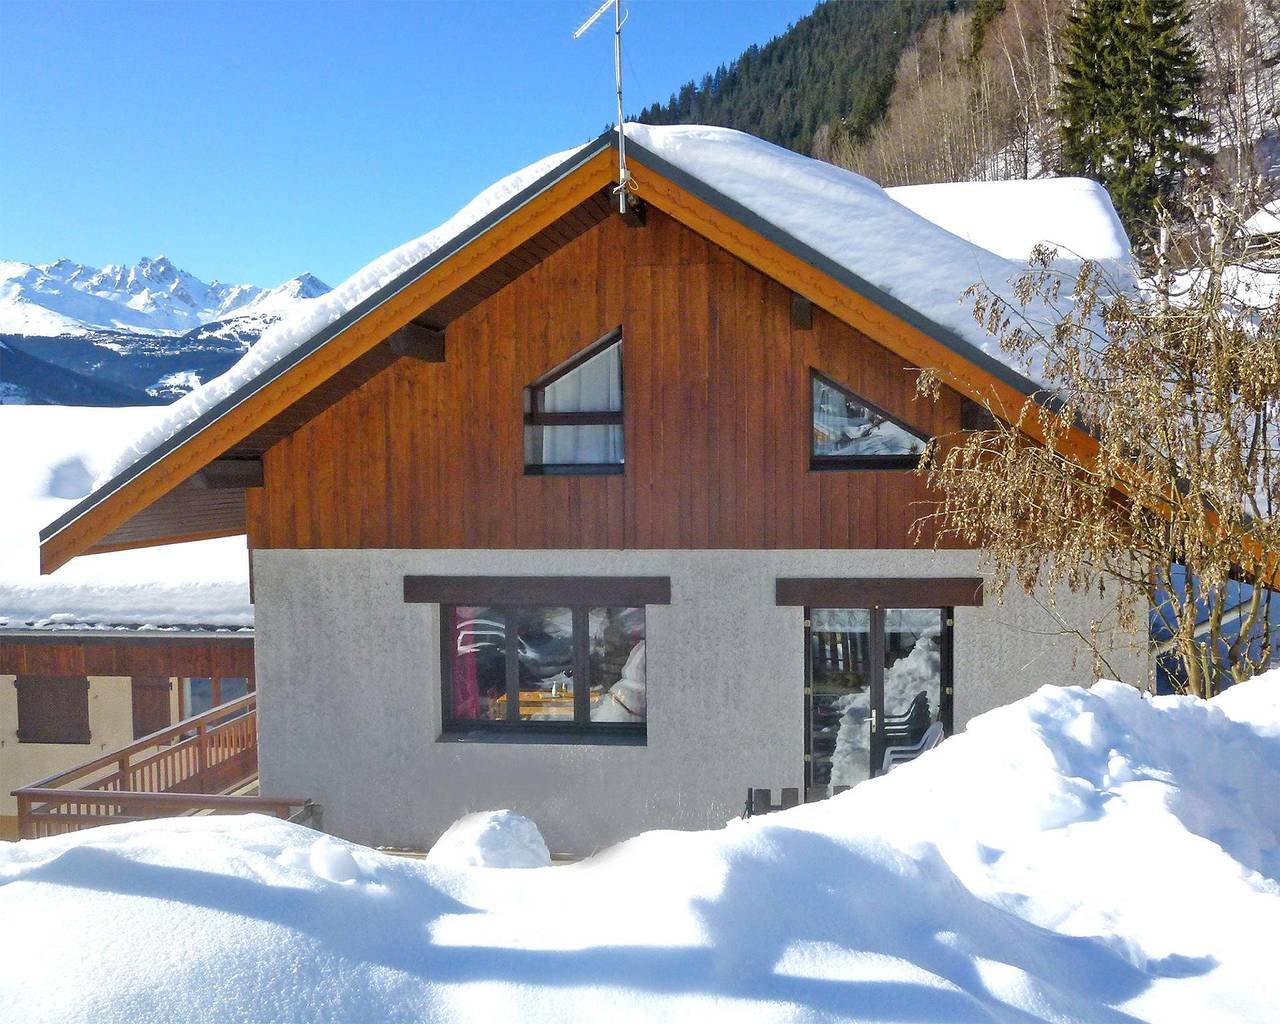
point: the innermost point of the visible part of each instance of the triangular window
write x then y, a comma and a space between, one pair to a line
573, 415
851, 433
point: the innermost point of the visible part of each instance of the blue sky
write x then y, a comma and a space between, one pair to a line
253, 141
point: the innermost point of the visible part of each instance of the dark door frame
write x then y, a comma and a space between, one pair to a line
876, 653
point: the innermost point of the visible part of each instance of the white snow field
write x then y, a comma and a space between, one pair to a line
1081, 855
48, 458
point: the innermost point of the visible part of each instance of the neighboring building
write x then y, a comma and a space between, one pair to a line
122, 644
604, 518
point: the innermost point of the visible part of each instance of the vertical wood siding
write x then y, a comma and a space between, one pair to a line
716, 407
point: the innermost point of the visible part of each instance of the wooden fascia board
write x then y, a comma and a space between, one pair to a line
807, 280
115, 508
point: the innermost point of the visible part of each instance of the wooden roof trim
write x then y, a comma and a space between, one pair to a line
220, 428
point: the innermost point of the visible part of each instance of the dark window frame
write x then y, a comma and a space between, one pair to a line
77, 732
580, 595
821, 463
536, 416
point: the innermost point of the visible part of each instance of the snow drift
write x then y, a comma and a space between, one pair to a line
491, 839
1086, 856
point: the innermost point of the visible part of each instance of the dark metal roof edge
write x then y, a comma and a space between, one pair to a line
873, 293
326, 334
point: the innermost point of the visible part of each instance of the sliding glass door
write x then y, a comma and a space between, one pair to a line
876, 680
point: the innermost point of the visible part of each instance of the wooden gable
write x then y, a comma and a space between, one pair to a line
716, 419
162, 498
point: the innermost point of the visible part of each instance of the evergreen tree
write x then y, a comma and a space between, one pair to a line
1128, 95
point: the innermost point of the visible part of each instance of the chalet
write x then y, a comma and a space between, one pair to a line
604, 517
121, 645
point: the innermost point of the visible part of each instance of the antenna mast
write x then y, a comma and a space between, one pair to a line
624, 175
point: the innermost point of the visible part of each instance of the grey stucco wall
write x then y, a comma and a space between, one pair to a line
349, 682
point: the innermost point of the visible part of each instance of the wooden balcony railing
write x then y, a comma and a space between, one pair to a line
191, 767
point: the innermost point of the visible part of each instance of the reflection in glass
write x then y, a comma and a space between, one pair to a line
478, 673
912, 674
843, 425
545, 654
616, 657
197, 696
200, 694
840, 703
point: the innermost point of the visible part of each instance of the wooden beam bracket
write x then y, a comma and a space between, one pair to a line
635, 213
801, 312
417, 341
229, 474
975, 416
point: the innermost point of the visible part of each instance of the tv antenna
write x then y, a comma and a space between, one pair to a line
625, 181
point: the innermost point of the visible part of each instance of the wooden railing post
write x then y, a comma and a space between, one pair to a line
26, 827
202, 753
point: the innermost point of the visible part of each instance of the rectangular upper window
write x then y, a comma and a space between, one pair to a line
53, 709
851, 433
573, 415
556, 658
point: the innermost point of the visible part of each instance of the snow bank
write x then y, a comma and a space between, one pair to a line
1084, 856
842, 215
49, 456
1010, 218
491, 839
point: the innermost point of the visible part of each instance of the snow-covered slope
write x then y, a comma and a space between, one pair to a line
48, 457
153, 296
842, 215
1010, 218
1080, 856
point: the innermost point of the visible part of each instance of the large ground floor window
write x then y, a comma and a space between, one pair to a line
543, 656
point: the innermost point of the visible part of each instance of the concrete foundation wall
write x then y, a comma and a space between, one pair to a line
349, 689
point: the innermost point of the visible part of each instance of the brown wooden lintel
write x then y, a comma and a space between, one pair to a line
801, 312
598, 591
229, 474
881, 592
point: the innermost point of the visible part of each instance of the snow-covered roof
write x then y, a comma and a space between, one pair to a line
49, 456
837, 219
1265, 222
1010, 218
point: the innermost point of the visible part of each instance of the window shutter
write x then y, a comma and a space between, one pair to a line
150, 704
53, 709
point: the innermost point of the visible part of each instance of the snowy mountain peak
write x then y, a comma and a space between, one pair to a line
152, 296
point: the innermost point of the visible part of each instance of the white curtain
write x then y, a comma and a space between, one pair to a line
595, 386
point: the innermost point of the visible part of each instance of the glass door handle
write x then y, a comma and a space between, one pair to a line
875, 719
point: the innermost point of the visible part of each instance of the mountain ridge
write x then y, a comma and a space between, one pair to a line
151, 296
140, 334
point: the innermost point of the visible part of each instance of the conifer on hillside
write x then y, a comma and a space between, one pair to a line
1127, 103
